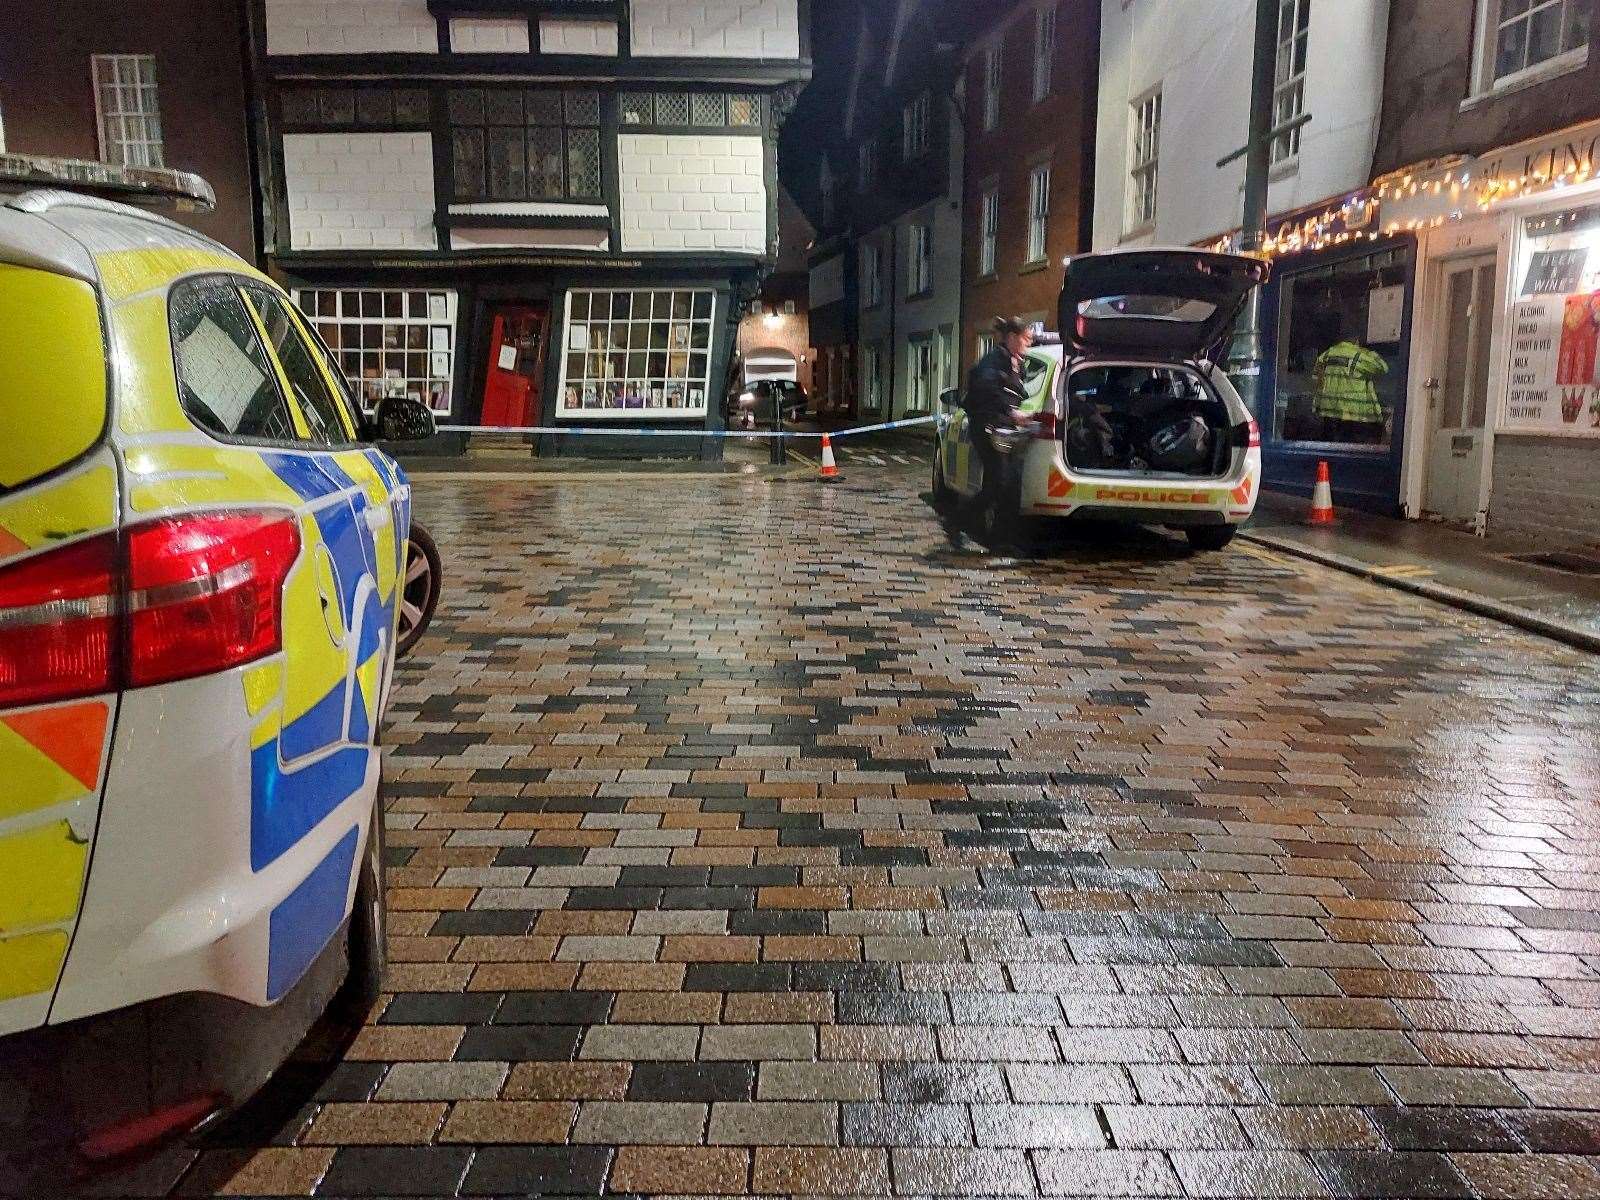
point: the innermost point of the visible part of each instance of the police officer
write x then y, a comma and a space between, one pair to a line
1344, 392
994, 394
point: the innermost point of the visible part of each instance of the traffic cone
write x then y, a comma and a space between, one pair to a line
830, 471
1321, 498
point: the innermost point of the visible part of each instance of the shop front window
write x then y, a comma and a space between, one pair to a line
1340, 363
633, 352
388, 341
1554, 379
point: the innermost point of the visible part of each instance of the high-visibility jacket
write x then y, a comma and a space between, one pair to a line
1344, 387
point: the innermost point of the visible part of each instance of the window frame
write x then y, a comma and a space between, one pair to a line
234, 285
920, 278
1490, 21
915, 119
1039, 212
726, 101
645, 411
1289, 89
349, 427
566, 129
1144, 162
989, 233
141, 89
872, 377
993, 81
1046, 35
358, 383
872, 275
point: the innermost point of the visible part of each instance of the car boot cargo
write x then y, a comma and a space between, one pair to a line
1147, 422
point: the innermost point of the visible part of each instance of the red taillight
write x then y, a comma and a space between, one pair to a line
59, 623
1255, 435
1044, 426
182, 596
205, 592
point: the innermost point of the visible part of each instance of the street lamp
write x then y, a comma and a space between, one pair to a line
1245, 356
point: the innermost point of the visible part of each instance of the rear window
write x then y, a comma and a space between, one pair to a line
52, 373
1146, 308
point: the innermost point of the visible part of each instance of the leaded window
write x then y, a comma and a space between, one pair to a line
525, 144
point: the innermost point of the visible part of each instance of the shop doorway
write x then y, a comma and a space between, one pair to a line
1458, 389
514, 374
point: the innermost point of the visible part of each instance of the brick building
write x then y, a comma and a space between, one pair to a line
1489, 151
530, 212
1029, 103
137, 83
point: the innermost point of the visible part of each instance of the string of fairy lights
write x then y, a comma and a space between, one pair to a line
1358, 219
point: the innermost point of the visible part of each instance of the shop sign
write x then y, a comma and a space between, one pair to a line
1554, 387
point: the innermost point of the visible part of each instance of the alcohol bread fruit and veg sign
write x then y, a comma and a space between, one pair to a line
1555, 346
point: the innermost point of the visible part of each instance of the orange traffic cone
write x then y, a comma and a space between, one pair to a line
1321, 498
830, 471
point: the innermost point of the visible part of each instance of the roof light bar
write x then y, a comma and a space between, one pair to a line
82, 175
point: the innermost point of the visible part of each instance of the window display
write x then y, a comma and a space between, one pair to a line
646, 350
389, 341
1340, 362
1554, 376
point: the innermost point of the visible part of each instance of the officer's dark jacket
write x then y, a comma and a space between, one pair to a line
994, 387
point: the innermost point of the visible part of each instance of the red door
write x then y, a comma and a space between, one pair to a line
518, 342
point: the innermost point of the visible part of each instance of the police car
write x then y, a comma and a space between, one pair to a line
200, 563
1129, 420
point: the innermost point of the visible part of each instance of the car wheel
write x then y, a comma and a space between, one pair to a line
1211, 537
368, 930
943, 494
419, 589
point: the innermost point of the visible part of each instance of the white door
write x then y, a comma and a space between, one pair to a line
1458, 392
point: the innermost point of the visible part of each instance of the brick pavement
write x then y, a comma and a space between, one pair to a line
745, 841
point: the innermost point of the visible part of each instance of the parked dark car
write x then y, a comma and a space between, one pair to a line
752, 406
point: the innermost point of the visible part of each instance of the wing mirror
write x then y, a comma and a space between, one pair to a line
402, 419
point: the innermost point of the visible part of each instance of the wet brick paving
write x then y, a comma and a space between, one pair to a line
744, 840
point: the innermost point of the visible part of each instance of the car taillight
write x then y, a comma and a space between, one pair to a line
179, 597
1044, 426
59, 614
205, 592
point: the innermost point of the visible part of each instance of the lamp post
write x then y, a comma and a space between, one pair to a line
1245, 356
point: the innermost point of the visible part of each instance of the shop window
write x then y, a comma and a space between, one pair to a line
1340, 364
1038, 213
1144, 165
126, 109
1555, 325
628, 351
993, 68
536, 144
388, 342
310, 108
1044, 51
989, 247
1289, 94
914, 127
1522, 38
